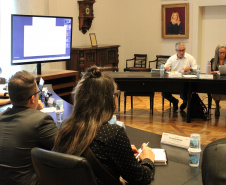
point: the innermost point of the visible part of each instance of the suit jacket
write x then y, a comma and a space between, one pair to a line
21, 129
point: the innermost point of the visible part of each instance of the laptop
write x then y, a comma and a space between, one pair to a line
222, 70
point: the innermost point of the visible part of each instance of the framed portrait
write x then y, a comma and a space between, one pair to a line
93, 39
175, 20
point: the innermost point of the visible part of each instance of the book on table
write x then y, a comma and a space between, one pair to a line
160, 156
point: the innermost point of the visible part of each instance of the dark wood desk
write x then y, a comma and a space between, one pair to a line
178, 171
145, 82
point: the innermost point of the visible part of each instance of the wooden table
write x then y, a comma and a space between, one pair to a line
145, 82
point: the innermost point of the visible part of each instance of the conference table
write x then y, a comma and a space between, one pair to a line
176, 172
146, 82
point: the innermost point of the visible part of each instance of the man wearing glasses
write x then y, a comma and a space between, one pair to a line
22, 128
179, 62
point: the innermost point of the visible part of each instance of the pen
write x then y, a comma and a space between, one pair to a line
141, 151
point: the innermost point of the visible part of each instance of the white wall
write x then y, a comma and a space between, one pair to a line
136, 26
214, 20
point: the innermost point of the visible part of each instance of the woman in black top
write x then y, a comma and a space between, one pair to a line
175, 25
218, 60
87, 126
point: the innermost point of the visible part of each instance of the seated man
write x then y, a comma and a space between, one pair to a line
22, 128
180, 62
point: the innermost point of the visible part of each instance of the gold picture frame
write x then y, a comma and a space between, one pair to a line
93, 39
175, 21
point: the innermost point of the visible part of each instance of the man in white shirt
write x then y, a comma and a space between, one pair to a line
180, 62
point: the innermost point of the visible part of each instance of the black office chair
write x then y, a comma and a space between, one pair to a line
213, 163
55, 168
137, 63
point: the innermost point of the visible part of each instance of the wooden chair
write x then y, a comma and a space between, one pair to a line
151, 94
160, 59
138, 63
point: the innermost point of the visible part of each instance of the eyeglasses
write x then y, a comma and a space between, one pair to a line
183, 50
221, 53
34, 94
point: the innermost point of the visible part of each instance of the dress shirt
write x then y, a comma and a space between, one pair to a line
178, 64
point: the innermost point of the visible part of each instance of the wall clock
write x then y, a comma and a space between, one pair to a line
85, 15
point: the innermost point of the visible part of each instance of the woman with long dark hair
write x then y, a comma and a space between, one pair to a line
218, 60
87, 126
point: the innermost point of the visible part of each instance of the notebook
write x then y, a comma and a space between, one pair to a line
160, 156
222, 70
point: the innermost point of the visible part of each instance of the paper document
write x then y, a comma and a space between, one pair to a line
190, 76
203, 76
160, 156
48, 109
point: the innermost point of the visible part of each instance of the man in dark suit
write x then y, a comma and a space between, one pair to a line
21, 128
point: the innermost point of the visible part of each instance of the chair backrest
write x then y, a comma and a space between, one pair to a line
214, 163
55, 168
140, 60
160, 59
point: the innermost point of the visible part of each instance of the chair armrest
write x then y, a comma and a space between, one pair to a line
152, 61
129, 60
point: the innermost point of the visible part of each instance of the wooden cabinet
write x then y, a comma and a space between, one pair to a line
85, 56
63, 81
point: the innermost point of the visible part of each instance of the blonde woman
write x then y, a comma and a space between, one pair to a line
175, 25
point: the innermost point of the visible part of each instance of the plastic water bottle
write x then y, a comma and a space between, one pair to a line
162, 69
194, 150
208, 68
198, 71
113, 120
59, 111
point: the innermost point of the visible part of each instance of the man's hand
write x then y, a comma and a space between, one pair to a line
40, 105
167, 68
186, 69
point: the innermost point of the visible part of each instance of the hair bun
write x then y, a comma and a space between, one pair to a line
94, 72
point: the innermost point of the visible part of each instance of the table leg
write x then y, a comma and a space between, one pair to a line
189, 104
209, 102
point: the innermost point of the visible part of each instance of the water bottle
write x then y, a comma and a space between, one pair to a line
59, 111
162, 69
194, 150
208, 68
198, 71
113, 120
